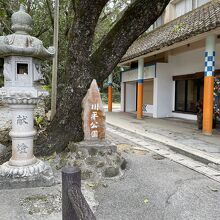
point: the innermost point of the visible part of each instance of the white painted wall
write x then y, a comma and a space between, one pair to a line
163, 91
191, 61
122, 96
173, 95
182, 64
130, 97
184, 116
187, 62
164, 87
132, 75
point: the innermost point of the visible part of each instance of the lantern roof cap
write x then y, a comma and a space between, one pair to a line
21, 21
21, 43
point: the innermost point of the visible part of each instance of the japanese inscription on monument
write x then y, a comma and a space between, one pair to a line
22, 148
22, 120
93, 114
94, 124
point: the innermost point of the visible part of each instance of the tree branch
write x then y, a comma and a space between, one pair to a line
41, 31
28, 6
50, 13
7, 8
81, 37
85, 19
69, 15
6, 27
139, 16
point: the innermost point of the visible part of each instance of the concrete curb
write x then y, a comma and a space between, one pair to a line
195, 154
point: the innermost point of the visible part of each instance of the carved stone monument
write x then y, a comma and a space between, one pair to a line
93, 114
22, 55
96, 156
93, 117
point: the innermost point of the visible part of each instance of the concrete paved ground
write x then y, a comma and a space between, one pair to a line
31, 204
170, 131
155, 188
152, 188
41, 203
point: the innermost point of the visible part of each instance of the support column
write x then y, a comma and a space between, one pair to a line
140, 88
110, 93
209, 85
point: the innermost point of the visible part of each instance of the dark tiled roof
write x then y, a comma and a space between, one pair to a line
198, 21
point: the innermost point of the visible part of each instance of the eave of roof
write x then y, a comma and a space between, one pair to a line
198, 21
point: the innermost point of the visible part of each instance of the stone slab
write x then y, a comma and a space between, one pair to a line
96, 144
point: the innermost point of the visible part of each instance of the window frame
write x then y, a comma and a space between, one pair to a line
186, 82
194, 4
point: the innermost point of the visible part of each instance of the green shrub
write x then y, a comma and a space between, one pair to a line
116, 97
104, 97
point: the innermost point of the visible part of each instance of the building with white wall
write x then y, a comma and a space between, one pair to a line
175, 55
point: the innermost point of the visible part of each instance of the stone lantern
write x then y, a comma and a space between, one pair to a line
22, 56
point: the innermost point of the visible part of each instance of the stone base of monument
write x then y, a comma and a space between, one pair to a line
38, 174
96, 159
92, 145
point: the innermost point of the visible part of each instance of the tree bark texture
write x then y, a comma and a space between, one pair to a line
83, 65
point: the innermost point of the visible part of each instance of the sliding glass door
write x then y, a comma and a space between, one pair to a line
187, 95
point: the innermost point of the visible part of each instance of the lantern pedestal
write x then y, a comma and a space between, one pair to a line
22, 135
38, 174
23, 169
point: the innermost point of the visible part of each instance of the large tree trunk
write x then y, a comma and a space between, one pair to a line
67, 124
83, 65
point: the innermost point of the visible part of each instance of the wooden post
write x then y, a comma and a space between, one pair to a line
110, 93
55, 61
74, 204
140, 100
70, 176
208, 101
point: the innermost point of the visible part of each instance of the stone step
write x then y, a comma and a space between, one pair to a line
186, 159
195, 154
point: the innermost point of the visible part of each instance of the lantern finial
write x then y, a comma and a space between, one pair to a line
21, 21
